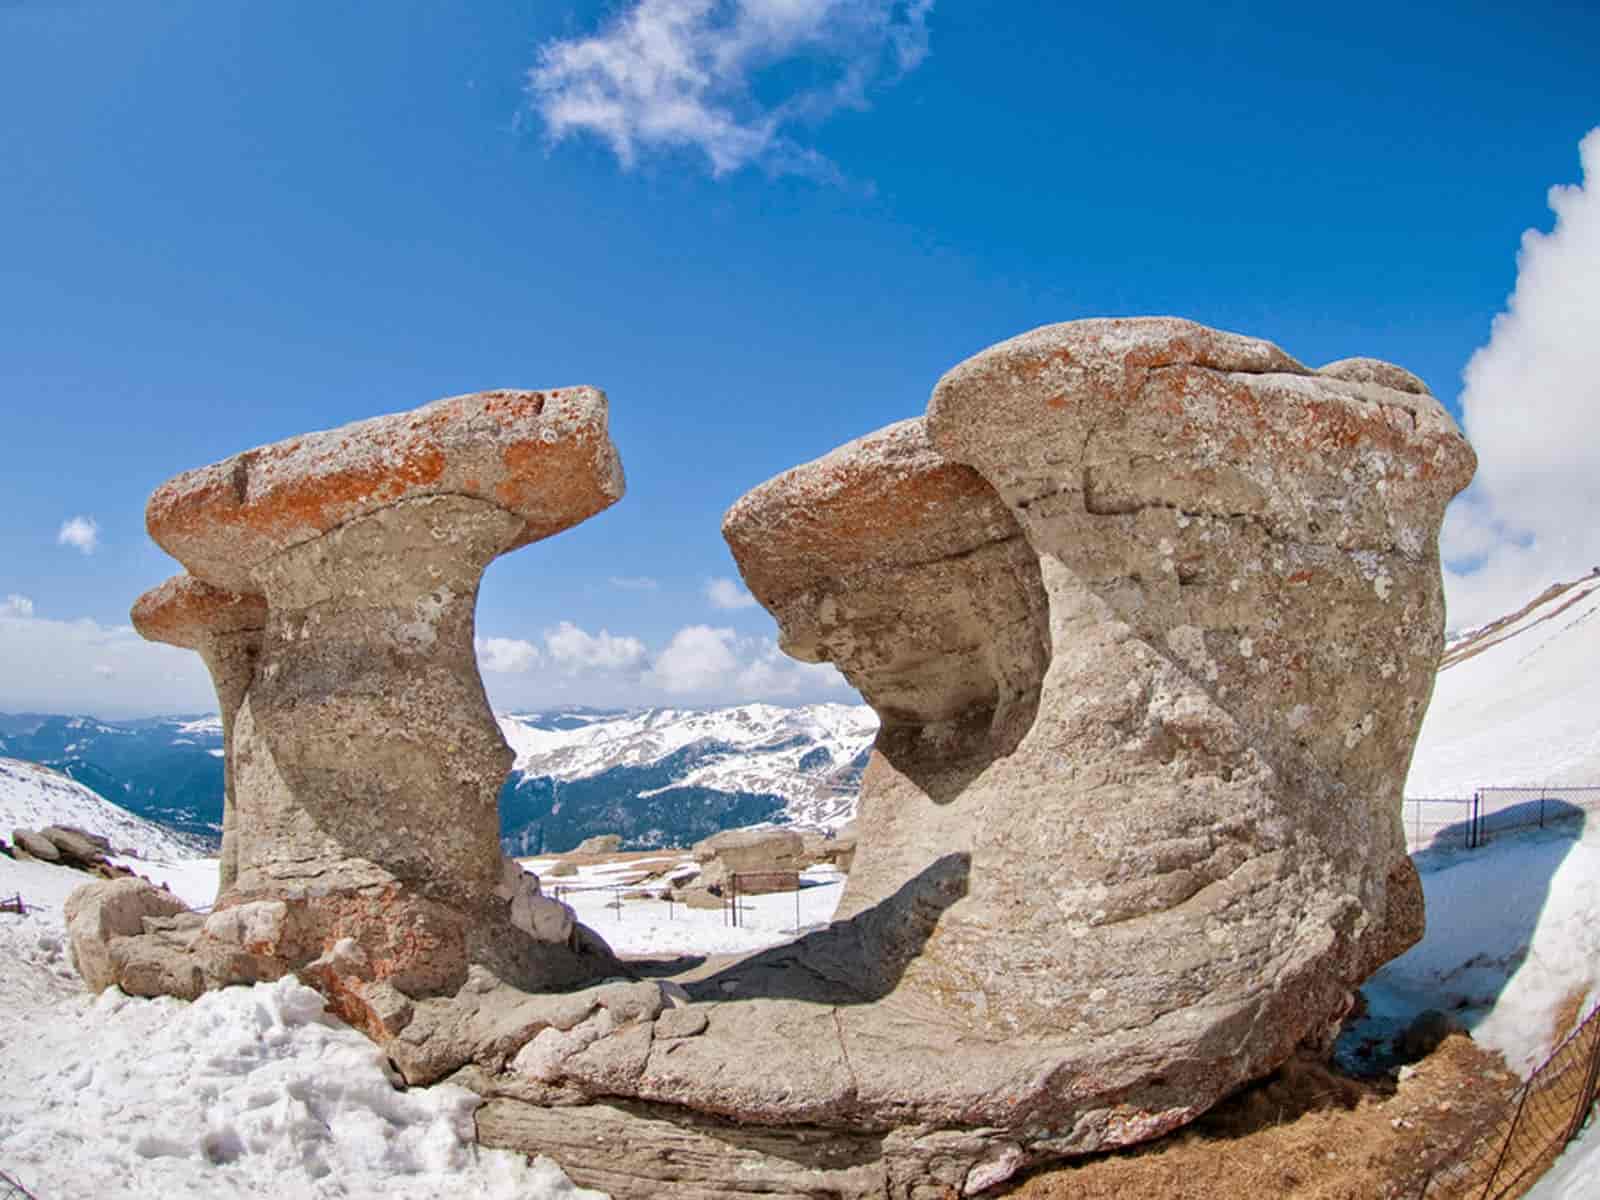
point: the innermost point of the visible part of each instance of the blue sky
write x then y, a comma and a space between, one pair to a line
764, 228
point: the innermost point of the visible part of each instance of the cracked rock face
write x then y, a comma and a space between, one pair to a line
332, 584
1150, 614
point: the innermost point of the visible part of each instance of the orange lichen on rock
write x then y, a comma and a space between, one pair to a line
543, 456
883, 500
185, 611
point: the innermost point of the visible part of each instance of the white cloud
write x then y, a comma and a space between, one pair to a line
725, 593
698, 659
16, 606
716, 665
506, 656
668, 75
85, 667
634, 583
1530, 405
770, 674
577, 652
82, 532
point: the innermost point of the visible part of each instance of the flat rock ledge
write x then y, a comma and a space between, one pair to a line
1150, 614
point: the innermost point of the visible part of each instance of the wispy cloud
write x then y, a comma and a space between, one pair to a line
82, 532
704, 75
634, 583
1530, 404
16, 606
726, 594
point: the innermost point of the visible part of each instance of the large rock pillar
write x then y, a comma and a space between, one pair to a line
1150, 614
225, 629
365, 761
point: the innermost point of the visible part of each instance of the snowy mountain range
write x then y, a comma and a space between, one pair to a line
658, 777
165, 769
32, 797
671, 776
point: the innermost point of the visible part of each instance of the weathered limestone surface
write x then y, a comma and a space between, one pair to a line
225, 629
1151, 615
332, 586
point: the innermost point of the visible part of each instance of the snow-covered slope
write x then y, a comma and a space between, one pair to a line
810, 757
1515, 701
32, 796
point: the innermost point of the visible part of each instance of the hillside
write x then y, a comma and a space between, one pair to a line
32, 796
164, 769
659, 776
1512, 704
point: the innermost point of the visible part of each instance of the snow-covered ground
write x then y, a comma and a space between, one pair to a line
635, 923
1520, 711
253, 1091
246, 1092
1512, 938
1576, 1175
32, 797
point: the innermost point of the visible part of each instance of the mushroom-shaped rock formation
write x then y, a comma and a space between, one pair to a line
1150, 614
366, 762
225, 629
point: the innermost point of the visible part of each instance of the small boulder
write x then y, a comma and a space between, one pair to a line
99, 913
78, 847
772, 858
36, 845
752, 849
601, 843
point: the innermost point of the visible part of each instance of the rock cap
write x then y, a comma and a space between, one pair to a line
885, 499
188, 612
543, 456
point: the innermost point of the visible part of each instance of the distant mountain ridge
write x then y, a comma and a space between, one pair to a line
163, 769
671, 776
657, 776
32, 797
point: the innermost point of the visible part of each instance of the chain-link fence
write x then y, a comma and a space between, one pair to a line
1467, 822
1501, 809
1437, 821
1549, 1111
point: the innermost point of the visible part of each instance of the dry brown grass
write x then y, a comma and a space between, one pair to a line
1572, 1009
1308, 1133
